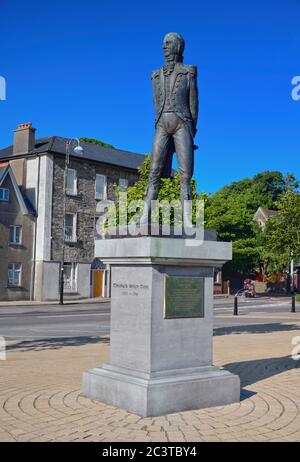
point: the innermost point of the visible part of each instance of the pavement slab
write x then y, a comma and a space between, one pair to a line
40, 397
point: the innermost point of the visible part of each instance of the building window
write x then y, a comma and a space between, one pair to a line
15, 235
71, 182
101, 187
70, 277
123, 184
70, 227
14, 274
4, 195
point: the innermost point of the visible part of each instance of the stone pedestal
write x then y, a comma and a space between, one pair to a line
160, 364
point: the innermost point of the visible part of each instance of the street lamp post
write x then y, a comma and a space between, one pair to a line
79, 151
292, 286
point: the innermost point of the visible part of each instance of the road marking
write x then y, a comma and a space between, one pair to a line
35, 337
56, 316
73, 315
263, 316
253, 308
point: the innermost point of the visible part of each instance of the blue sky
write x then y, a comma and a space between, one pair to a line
83, 69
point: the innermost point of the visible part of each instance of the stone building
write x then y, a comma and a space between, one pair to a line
62, 218
17, 220
261, 216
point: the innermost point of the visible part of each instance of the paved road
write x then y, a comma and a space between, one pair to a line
55, 321
256, 316
80, 320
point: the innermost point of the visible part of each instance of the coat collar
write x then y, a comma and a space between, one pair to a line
178, 69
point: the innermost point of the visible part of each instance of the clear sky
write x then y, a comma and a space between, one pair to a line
82, 68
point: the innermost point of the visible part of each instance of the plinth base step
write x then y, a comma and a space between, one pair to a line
164, 392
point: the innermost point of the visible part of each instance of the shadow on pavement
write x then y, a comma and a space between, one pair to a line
54, 343
255, 328
256, 370
246, 394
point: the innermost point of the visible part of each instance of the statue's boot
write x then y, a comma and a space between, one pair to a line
186, 201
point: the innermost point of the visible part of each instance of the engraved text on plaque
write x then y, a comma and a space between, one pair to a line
184, 297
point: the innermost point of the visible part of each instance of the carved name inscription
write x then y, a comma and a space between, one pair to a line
133, 290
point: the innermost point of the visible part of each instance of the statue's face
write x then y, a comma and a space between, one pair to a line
170, 46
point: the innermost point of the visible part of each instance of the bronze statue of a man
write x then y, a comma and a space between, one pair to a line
175, 97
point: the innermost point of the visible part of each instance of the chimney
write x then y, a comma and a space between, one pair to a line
24, 139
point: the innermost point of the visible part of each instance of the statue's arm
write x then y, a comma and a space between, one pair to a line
194, 96
154, 78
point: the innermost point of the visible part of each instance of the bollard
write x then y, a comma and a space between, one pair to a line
61, 286
235, 311
293, 303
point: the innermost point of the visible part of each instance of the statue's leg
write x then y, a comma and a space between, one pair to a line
184, 147
159, 151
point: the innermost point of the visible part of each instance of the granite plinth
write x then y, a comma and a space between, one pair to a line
159, 365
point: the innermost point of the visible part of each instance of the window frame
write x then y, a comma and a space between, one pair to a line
126, 182
104, 195
74, 227
15, 271
74, 191
14, 227
7, 191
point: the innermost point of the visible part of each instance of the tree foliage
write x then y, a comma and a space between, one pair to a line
95, 141
282, 235
230, 212
169, 191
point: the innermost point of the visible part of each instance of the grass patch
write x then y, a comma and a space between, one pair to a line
298, 298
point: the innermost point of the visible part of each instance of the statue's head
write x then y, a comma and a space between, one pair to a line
173, 46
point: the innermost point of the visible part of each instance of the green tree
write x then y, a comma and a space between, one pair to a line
169, 191
230, 212
95, 141
282, 235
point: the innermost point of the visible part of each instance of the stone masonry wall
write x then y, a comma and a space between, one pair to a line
84, 204
11, 214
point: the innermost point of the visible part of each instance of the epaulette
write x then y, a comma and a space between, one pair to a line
192, 69
155, 74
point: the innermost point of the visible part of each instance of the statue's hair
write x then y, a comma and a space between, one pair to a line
180, 41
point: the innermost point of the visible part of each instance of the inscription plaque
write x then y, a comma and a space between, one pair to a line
184, 297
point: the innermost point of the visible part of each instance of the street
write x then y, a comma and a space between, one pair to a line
54, 321
93, 320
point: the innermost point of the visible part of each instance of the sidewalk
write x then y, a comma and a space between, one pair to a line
40, 397
91, 304
54, 302
221, 297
